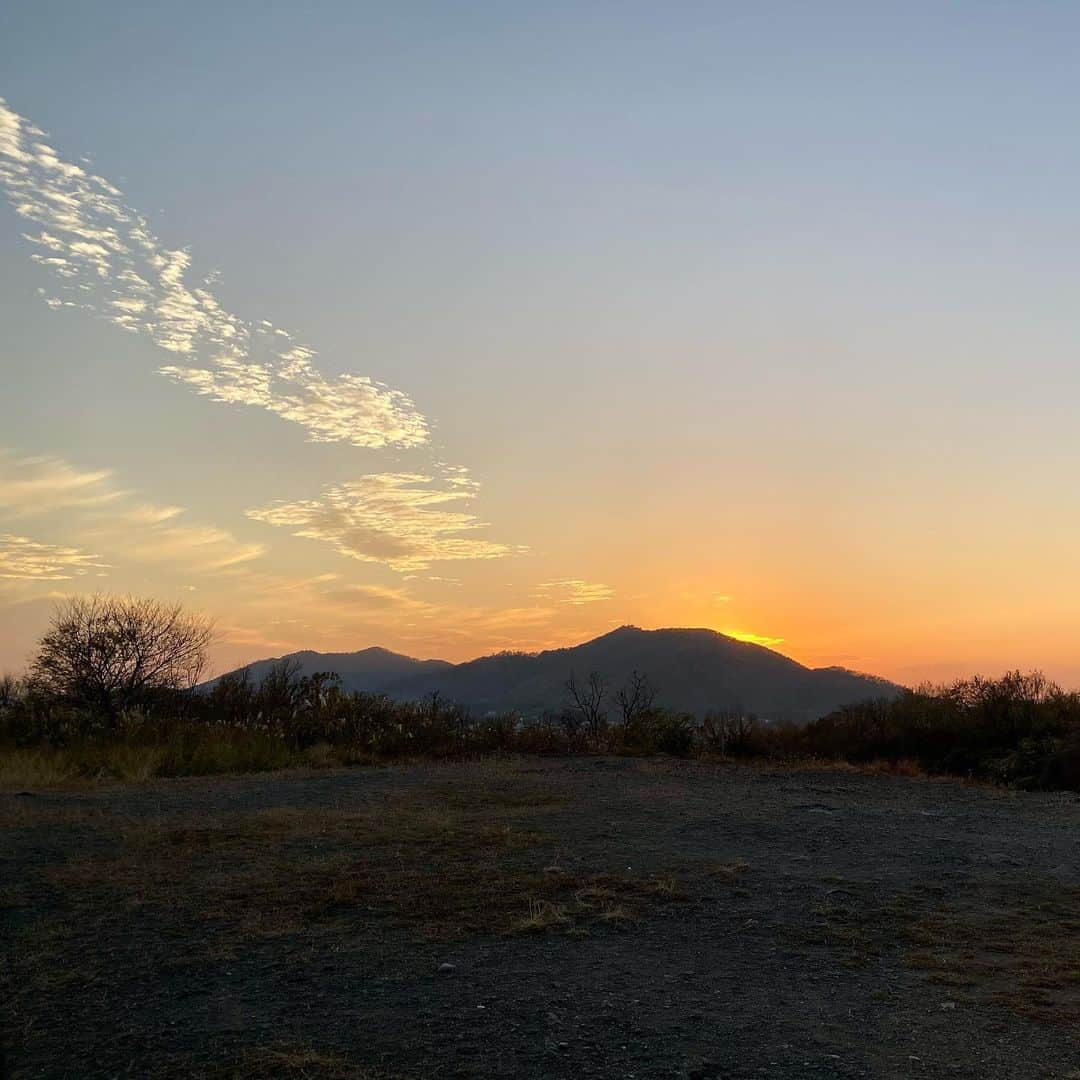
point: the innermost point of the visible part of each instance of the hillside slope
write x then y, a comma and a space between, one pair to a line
373, 670
693, 670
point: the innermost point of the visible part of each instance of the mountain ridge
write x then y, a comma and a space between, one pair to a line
694, 669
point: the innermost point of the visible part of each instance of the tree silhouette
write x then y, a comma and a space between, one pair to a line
635, 698
588, 699
108, 653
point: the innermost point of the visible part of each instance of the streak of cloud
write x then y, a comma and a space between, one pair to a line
107, 261
573, 591
41, 485
95, 510
751, 638
24, 559
398, 519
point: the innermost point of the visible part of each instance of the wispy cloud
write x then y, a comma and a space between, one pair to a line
751, 638
95, 510
106, 260
366, 598
399, 519
40, 485
200, 548
23, 559
573, 591
148, 514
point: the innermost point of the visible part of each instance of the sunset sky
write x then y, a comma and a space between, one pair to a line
463, 327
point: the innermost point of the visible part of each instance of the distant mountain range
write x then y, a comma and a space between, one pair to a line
693, 671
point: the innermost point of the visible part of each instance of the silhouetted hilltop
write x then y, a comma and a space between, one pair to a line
693, 670
373, 670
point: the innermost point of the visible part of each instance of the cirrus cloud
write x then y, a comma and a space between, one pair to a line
106, 260
40, 485
94, 510
752, 638
398, 519
573, 591
23, 559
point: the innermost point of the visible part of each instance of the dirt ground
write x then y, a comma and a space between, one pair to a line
542, 918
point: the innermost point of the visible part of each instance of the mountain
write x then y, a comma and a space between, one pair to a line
374, 670
693, 670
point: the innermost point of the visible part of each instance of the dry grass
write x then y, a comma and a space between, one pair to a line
728, 872
439, 861
304, 1063
1015, 945
288, 1063
435, 862
545, 915
91, 765
1012, 944
604, 898
415, 859
849, 919
908, 767
42, 769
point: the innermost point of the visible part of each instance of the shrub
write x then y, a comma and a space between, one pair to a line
1020, 729
658, 731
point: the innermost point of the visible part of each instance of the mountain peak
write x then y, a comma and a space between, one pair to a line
694, 669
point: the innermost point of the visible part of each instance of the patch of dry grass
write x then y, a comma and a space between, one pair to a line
728, 872
303, 1063
1016, 945
907, 767
213, 754
602, 898
280, 1061
848, 918
545, 915
41, 769
414, 859
440, 860
1013, 944
436, 861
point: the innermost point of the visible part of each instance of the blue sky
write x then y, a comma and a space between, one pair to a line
766, 302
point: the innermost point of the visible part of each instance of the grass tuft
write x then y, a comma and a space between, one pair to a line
729, 871
297, 1063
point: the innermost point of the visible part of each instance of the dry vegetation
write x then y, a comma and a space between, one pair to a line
429, 860
297, 1063
442, 861
278, 1061
438, 863
1015, 945
112, 695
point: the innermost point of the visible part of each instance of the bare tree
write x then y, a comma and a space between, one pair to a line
10, 692
109, 652
588, 699
635, 698
728, 731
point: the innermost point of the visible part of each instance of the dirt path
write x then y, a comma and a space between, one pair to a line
604, 918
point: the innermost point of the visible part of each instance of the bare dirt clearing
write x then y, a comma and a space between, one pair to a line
602, 917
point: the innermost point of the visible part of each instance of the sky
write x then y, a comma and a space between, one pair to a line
460, 328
